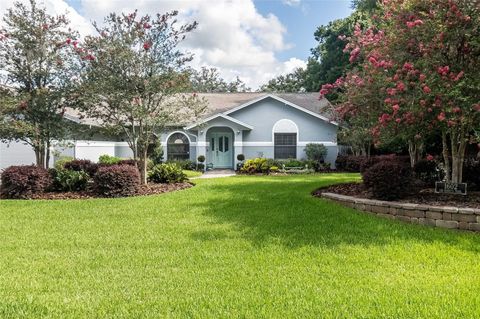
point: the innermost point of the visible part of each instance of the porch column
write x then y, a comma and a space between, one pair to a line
202, 145
237, 146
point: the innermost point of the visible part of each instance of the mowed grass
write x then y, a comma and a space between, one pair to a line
239, 247
191, 174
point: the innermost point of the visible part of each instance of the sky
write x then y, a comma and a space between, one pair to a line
255, 40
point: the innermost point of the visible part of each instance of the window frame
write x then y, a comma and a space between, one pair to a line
174, 155
291, 146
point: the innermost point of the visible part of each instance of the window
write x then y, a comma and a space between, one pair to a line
285, 145
178, 147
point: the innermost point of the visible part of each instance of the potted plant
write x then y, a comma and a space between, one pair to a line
240, 158
201, 160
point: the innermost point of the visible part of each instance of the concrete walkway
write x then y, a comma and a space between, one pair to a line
218, 173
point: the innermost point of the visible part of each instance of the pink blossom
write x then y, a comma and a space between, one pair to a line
450, 123
430, 157
426, 89
422, 77
430, 110
391, 91
408, 66
400, 86
323, 91
410, 24
443, 70
459, 76
147, 45
441, 117
476, 107
68, 41
418, 22
398, 120
146, 25
396, 107
388, 100
456, 110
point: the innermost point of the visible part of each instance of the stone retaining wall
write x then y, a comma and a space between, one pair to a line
439, 216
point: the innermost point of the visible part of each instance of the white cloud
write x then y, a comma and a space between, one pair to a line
292, 3
232, 35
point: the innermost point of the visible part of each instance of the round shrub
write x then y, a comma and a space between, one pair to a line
388, 180
116, 181
428, 172
60, 163
201, 158
316, 152
82, 165
240, 157
24, 181
368, 162
109, 160
167, 173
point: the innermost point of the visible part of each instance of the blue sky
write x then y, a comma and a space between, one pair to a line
255, 40
302, 19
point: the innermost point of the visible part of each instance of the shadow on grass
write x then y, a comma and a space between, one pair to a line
282, 210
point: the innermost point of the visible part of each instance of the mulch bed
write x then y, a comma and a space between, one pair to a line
426, 196
149, 189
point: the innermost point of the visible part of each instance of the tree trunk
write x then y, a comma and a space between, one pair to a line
47, 155
415, 150
446, 159
458, 145
142, 166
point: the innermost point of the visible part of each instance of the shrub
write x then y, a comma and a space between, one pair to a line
341, 162
185, 164
24, 181
240, 157
108, 160
60, 163
388, 180
117, 180
428, 172
471, 172
167, 173
316, 152
82, 165
129, 161
200, 166
274, 169
255, 165
366, 163
201, 158
68, 180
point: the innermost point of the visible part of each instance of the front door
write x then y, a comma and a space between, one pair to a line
221, 150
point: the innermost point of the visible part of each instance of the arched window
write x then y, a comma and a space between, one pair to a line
285, 139
178, 147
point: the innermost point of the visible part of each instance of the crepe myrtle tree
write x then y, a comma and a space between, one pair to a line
133, 77
38, 67
421, 57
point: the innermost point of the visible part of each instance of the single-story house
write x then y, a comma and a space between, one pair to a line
254, 124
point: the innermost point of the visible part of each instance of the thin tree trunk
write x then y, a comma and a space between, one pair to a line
143, 166
415, 150
47, 155
446, 159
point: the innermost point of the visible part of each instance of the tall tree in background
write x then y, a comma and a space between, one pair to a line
133, 77
291, 82
38, 66
208, 80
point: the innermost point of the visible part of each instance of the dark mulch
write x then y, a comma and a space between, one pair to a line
426, 196
149, 189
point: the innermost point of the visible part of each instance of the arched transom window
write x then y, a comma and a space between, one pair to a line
178, 147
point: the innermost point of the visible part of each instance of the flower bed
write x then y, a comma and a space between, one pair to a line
463, 215
148, 189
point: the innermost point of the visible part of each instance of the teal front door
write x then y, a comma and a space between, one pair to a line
221, 152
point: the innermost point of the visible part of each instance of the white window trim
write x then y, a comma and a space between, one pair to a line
165, 149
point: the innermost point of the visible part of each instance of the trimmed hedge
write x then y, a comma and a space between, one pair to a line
388, 180
82, 165
116, 181
24, 181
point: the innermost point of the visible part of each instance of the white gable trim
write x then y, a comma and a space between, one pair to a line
283, 101
224, 116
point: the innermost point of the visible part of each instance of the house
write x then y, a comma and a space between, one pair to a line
254, 124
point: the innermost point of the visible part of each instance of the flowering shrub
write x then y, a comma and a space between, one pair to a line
116, 181
24, 181
167, 173
388, 180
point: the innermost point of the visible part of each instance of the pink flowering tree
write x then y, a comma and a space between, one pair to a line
133, 78
39, 70
427, 52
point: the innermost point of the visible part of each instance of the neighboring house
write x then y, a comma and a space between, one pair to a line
254, 124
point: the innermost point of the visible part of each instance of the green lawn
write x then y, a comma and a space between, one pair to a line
191, 174
239, 247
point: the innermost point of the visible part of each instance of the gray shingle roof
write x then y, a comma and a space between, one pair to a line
222, 102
